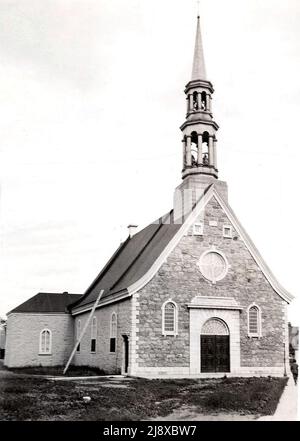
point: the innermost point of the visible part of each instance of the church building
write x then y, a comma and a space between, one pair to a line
187, 296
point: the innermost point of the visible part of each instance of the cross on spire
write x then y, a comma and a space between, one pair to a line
198, 8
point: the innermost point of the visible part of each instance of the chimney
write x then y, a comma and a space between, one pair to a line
131, 229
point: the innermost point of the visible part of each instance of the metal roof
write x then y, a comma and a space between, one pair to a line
131, 260
45, 302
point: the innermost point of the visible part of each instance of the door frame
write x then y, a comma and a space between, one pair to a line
198, 316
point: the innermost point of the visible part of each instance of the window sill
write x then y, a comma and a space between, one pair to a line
42, 353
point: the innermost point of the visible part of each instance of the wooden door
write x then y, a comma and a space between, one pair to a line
215, 354
125, 353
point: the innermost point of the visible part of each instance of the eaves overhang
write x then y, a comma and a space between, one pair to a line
199, 83
197, 122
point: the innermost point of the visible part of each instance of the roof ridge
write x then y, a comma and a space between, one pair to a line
161, 222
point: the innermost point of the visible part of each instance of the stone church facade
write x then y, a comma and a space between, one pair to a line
187, 296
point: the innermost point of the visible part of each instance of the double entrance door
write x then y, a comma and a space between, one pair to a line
215, 353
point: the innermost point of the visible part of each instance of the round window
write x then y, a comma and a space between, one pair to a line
213, 266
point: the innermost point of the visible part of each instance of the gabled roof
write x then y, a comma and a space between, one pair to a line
139, 258
131, 261
282, 292
45, 302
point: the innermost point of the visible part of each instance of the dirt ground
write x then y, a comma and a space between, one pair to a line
192, 414
25, 397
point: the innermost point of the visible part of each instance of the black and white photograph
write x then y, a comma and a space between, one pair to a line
149, 212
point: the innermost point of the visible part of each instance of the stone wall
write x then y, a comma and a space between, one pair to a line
110, 362
23, 334
180, 279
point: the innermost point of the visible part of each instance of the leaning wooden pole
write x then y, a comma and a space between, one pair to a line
83, 331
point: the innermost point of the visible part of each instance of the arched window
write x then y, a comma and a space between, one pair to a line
194, 148
45, 341
93, 334
113, 332
195, 101
214, 326
205, 152
78, 330
203, 101
254, 321
169, 318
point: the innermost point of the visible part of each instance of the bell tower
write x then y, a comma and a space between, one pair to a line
199, 129
199, 158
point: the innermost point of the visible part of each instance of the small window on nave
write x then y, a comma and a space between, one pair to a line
78, 331
93, 334
113, 332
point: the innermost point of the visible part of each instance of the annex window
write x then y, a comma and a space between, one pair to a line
227, 231
169, 318
198, 229
254, 321
93, 334
45, 341
113, 332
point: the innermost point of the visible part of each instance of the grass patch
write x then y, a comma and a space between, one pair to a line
39, 399
254, 395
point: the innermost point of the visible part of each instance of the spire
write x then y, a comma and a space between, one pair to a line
199, 72
199, 129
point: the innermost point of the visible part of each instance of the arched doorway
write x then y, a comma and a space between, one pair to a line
215, 351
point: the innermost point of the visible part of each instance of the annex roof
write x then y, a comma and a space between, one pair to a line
45, 302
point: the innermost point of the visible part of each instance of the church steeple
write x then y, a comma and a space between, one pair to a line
199, 129
199, 72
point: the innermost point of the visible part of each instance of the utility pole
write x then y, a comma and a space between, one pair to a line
83, 331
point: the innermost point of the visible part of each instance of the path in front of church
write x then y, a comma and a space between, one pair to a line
287, 406
191, 414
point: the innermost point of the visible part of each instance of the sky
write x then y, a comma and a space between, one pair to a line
91, 103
